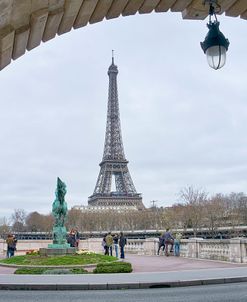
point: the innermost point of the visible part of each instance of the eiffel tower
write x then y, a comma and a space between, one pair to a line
114, 164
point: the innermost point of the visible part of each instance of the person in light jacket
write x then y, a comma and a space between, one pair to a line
11, 245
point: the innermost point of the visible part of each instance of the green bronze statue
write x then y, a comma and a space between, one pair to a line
59, 206
59, 211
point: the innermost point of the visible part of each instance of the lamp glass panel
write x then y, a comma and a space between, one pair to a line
216, 56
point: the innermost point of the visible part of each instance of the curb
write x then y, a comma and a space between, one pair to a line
115, 286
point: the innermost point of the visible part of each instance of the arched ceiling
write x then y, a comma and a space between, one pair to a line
25, 23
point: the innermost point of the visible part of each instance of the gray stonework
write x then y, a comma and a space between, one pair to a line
57, 251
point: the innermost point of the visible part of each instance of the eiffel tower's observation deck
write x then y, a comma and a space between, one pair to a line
113, 168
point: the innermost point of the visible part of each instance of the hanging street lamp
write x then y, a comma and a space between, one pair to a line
215, 44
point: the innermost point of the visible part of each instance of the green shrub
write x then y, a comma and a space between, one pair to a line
30, 271
78, 271
114, 267
64, 271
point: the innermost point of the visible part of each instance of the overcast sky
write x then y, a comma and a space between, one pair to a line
183, 123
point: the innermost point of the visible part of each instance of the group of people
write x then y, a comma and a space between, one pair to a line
11, 245
166, 240
73, 238
111, 242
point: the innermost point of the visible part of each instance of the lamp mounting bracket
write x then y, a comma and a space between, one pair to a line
214, 7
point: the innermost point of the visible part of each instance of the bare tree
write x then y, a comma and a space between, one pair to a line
215, 213
18, 219
36, 222
194, 200
4, 227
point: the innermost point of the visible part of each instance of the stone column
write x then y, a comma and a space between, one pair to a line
91, 244
193, 248
235, 250
243, 250
149, 246
2, 243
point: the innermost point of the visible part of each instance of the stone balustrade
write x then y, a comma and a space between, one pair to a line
231, 250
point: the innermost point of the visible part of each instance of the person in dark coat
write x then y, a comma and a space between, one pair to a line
122, 243
169, 240
72, 239
115, 242
103, 243
161, 244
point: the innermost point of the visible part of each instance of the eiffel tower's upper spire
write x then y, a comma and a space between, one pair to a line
112, 56
113, 67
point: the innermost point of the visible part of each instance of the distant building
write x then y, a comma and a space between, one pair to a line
95, 209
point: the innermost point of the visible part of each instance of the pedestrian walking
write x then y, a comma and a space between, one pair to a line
122, 243
115, 242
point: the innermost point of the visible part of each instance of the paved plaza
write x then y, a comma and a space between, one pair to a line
148, 272
165, 264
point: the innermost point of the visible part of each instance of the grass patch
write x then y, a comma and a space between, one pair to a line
115, 267
58, 260
45, 271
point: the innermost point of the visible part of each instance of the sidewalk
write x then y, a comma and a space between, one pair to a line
148, 272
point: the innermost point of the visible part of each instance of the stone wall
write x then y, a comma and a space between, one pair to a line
233, 250
24, 245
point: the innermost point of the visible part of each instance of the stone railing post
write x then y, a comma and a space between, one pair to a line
91, 244
184, 250
2, 242
235, 250
149, 246
243, 249
193, 247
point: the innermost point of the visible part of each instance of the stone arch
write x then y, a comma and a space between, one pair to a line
24, 24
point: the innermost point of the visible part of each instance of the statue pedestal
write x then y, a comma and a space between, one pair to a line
59, 245
57, 249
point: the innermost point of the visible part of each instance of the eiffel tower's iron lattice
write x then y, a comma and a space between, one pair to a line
114, 164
